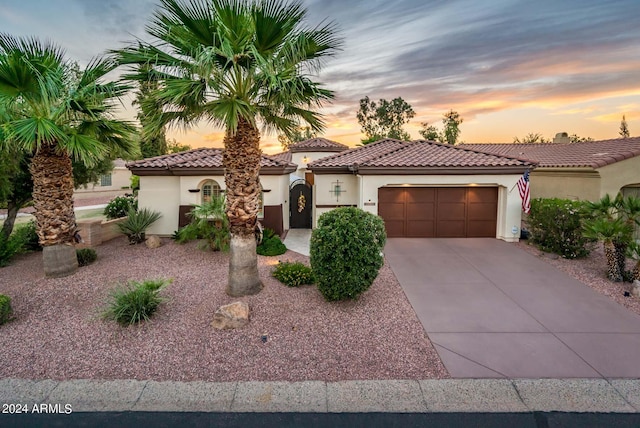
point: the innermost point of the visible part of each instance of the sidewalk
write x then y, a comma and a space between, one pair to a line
396, 396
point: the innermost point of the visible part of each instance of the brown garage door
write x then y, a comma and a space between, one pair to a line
442, 212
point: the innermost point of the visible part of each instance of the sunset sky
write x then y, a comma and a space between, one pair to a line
510, 67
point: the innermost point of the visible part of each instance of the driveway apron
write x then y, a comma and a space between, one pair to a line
494, 310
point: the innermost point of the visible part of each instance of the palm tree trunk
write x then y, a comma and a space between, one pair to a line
12, 213
241, 161
52, 175
636, 271
613, 267
621, 259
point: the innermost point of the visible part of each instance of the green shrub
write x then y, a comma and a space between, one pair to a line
346, 252
28, 236
555, 226
271, 244
135, 301
137, 223
293, 274
6, 312
86, 256
210, 222
9, 247
119, 206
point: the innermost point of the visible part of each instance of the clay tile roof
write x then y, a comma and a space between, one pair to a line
317, 145
284, 156
405, 157
203, 159
594, 154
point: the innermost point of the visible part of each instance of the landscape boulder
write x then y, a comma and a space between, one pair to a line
233, 315
153, 241
635, 288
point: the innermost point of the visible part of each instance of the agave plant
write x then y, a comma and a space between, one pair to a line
137, 223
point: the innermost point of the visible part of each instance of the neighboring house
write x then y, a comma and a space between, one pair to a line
424, 189
585, 171
172, 184
115, 182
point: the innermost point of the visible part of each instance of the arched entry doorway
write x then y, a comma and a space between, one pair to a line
300, 206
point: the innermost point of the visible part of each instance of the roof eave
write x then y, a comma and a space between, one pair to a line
503, 170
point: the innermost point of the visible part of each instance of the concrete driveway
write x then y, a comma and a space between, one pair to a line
493, 310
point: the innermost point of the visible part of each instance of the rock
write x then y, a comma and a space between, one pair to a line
153, 241
635, 288
234, 315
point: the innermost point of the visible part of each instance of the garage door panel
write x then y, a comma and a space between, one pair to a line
452, 194
395, 228
420, 194
482, 194
421, 211
451, 211
420, 229
481, 229
390, 195
392, 211
482, 212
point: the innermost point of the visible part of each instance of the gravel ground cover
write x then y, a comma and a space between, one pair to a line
592, 271
59, 334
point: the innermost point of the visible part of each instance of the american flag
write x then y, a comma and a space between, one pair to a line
523, 188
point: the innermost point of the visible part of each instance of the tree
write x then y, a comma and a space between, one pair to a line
451, 122
301, 133
235, 64
531, 138
174, 146
54, 116
384, 119
574, 138
624, 129
430, 132
153, 141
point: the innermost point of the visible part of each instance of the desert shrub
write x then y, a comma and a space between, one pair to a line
209, 222
135, 301
271, 244
9, 247
6, 312
28, 236
86, 256
346, 252
293, 274
137, 223
555, 225
119, 206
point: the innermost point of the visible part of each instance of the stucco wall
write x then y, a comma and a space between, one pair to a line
120, 177
161, 194
365, 188
325, 200
618, 175
166, 194
565, 183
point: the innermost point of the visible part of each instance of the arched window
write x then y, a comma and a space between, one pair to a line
210, 188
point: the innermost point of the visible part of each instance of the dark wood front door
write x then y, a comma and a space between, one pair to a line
445, 212
300, 203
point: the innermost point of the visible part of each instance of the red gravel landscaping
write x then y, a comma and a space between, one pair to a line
58, 332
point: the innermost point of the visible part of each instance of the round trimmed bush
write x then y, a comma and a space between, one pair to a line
346, 252
119, 206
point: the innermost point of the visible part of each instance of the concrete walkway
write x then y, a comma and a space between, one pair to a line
394, 396
495, 311
298, 240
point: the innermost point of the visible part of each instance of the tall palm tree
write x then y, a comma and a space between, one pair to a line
236, 64
57, 112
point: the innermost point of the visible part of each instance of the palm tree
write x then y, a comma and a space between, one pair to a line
609, 231
56, 113
236, 64
634, 252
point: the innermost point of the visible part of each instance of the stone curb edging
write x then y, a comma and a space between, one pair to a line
360, 396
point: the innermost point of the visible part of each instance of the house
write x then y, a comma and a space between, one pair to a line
113, 183
420, 188
424, 188
173, 183
583, 171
